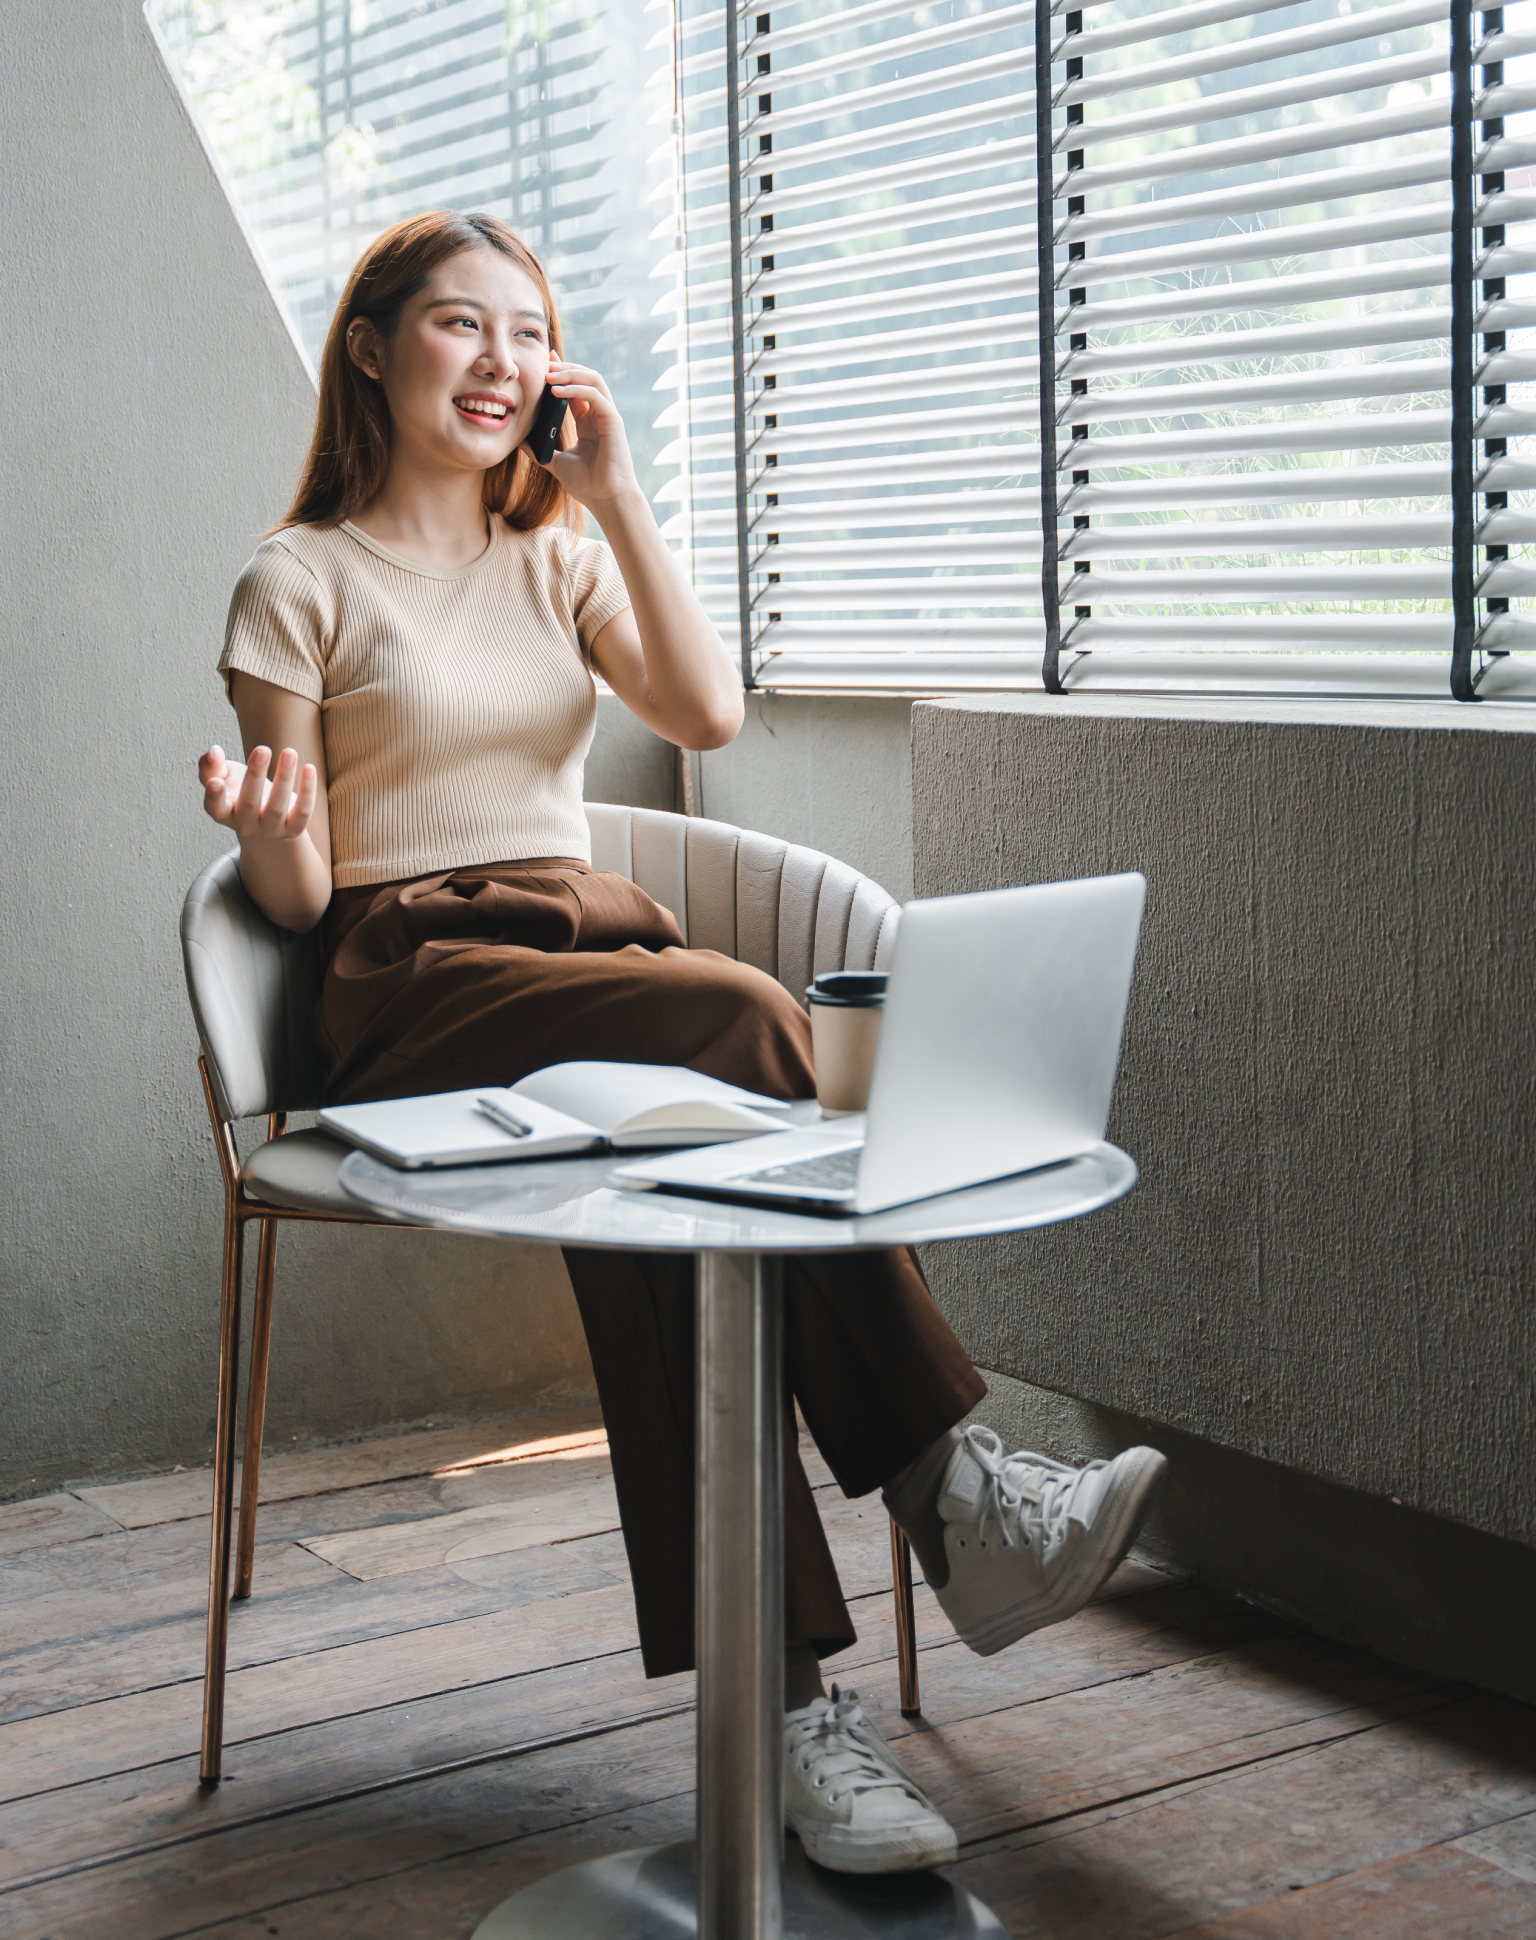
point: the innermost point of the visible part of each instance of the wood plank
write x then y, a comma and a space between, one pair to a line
177, 1552
1255, 1706
1045, 1890
407, 1501
1116, 1638
449, 1898
1164, 1764
1156, 1865
323, 1616
365, 1741
1025, 1764
141, 1603
42, 1521
286, 1474
275, 1862
94, 1570
1511, 1845
1435, 1894
558, 1500
154, 1811
1112, 1639
288, 1694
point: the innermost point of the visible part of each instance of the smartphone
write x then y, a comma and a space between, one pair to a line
543, 438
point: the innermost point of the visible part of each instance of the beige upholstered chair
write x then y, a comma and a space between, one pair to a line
788, 910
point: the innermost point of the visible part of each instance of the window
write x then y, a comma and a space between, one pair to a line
1286, 408
330, 119
884, 307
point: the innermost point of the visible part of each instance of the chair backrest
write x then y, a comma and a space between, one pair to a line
790, 911
253, 988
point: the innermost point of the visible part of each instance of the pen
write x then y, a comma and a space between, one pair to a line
499, 1115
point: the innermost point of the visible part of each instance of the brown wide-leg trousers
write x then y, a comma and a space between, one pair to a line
485, 974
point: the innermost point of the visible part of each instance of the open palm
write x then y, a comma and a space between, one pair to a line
240, 796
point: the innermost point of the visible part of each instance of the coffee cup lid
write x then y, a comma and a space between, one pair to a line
862, 989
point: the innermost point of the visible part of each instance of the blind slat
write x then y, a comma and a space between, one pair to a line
1283, 240
1206, 348
1363, 431
1259, 293
866, 306
1234, 537
1204, 61
840, 474
1168, 587
1254, 198
1237, 103
1206, 157
1295, 387
844, 515
975, 334
1368, 23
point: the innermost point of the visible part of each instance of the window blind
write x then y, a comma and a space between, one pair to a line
1286, 402
330, 120
1260, 431
857, 420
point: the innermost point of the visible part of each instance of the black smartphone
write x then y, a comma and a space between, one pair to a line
543, 438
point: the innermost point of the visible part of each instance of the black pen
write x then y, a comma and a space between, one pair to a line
499, 1115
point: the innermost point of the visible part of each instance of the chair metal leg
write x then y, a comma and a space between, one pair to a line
223, 1496
256, 1407
906, 1621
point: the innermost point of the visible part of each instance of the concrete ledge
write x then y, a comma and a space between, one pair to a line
1328, 1264
1413, 1588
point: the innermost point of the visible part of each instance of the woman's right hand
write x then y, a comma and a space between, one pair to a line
241, 797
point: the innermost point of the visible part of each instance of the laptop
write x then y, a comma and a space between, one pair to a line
997, 1054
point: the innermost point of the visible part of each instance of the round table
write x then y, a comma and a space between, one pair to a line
734, 1882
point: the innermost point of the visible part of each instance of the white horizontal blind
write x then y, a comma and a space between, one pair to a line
332, 119
1253, 362
1252, 395
891, 405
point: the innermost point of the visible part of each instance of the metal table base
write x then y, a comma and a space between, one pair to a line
740, 1884
743, 1880
650, 1894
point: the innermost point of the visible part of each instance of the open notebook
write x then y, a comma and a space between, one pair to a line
584, 1107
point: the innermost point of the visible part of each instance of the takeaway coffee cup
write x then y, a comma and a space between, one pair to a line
845, 1025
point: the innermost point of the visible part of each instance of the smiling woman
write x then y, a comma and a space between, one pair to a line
419, 638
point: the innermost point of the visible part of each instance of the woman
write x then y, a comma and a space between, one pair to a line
419, 639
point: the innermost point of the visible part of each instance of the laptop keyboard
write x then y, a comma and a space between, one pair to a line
838, 1170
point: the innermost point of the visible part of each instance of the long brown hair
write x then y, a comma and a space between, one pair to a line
349, 452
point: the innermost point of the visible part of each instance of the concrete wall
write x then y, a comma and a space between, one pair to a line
153, 416
832, 772
1327, 1269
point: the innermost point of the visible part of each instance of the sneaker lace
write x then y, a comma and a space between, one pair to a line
823, 1744
1027, 1496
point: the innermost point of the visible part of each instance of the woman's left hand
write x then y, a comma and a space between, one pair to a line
597, 471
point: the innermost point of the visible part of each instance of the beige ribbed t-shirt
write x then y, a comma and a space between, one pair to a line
457, 707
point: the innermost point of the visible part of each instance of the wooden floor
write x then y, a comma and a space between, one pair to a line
436, 1698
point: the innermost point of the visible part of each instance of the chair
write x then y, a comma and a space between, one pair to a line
790, 911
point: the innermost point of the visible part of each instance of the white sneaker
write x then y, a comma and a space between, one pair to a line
1029, 1540
848, 1797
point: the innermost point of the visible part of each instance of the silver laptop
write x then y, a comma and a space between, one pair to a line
997, 1054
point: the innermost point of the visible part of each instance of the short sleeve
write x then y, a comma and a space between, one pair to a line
278, 628
598, 591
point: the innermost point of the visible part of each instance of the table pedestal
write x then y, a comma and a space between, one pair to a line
650, 1894
741, 1883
